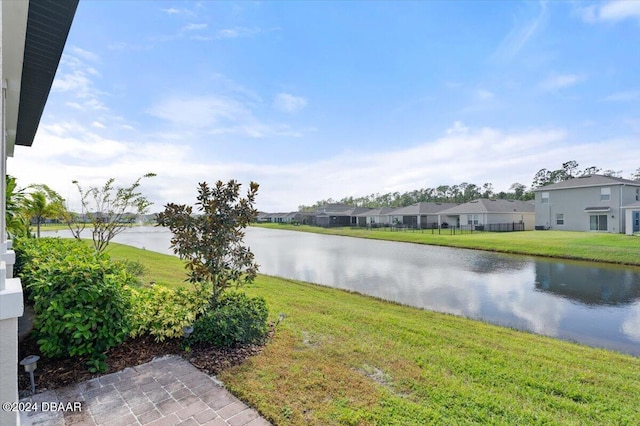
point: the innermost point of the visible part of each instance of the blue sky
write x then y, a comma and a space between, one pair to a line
331, 99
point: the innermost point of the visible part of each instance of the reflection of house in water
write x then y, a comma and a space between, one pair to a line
491, 263
600, 285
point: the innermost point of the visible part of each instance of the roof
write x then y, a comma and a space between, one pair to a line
340, 210
48, 25
484, 205
423, 208
378, 212
333, 208
587, 181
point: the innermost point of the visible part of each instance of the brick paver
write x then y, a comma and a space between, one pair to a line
165, 391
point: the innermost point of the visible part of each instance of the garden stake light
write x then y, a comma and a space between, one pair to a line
30, 364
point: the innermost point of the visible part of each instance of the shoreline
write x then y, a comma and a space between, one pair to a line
413, 237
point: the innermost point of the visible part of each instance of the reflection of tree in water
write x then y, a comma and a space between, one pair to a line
602, 285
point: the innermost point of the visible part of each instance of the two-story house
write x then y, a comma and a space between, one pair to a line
590, 203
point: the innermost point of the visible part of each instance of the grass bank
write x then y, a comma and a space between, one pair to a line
599, 247
342, 358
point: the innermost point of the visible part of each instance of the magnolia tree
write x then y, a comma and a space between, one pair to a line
211, 239
107, 209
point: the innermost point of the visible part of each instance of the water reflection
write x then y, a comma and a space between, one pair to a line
587, 284
593, 304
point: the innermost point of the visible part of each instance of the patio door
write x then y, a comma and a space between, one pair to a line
598, 222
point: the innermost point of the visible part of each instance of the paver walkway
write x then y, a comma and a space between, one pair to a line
165, 391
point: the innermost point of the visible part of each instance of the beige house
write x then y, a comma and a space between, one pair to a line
491, 215
32, 36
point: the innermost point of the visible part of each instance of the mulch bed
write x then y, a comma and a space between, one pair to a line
55, 373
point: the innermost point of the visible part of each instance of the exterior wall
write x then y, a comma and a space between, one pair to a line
573, 202
495, 218
378, 220
9, 368
14, 15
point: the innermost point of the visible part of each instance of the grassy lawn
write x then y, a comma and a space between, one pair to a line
342, 358
160, 268
600, 247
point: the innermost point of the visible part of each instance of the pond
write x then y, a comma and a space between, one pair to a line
590, 303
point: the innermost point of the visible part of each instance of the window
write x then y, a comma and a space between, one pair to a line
638, 194
605, 194
560, 219
473, 219
598, 222
545, 198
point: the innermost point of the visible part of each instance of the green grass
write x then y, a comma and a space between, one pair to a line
599, 247
160, 268
343, 358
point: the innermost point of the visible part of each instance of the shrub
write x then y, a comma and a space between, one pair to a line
134, 267
80, 299
163, 312
235, 319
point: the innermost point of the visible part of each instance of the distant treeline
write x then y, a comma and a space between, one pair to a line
465, 192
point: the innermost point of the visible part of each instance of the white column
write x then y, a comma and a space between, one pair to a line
11, 304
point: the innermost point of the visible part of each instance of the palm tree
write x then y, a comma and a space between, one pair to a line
16, 223
42, 204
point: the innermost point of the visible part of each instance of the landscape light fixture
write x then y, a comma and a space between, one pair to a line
187, 330
30, 364
280, 318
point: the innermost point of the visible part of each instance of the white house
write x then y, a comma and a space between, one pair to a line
32, 36
590, 203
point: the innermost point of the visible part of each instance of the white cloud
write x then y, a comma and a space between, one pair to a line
611, 11
76, 79
68, 150
629, 95
195, 27
561, 81
238, 32
98, 124
201, 112
124, 46
171, 11
85, 54
457, 128
520, 34
232, 114
484, 94
286, 102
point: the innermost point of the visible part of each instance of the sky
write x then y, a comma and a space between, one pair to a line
327, 99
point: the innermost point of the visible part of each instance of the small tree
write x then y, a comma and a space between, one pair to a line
211, 240
43, 203
106, 207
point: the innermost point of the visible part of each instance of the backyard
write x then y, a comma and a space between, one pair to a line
343, 358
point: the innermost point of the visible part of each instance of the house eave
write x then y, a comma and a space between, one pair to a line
597, 209
47, 28
14, 24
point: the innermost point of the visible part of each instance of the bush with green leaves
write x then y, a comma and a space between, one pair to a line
133, 267
163, 312
81, 299
235, 319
